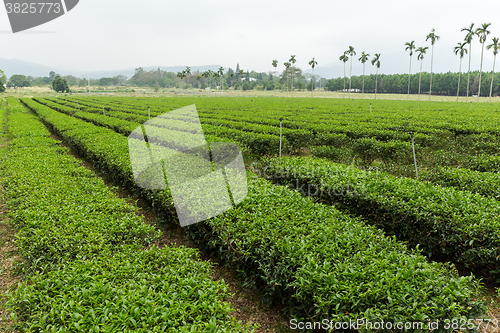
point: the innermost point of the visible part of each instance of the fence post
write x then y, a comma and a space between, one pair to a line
414, 156
281, 119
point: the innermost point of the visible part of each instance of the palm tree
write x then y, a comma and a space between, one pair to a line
433, 37
198, 78
468, 40
275, 65
482, 32
292, 61
206, 75
221, 74
188, 72
421, 51
216, 76
409, 46
287, 67
313, 64
351, 53
231, 75
213, 74
460, 49
376, 63
182, 74
344, 58
241, 73
363, 59
496, 47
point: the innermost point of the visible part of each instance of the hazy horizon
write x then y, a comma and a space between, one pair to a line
109, 36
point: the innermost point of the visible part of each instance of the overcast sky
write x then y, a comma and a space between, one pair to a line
111, 34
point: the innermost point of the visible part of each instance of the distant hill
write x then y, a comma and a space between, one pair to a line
15, 66
129, 72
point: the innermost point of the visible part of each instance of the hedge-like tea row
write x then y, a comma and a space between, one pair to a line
322, 263
326, 264
485, 183
119, 125
454, 225
483, 163
369, 149
259, 143
87, 268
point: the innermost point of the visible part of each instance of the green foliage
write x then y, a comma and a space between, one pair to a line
339, 155
483, 163
370, 149
319, 261
442, 83
247, 86
59, 84
154, 290
484, 183
453, 225
18, 81
323, 263
85, 263
3, 79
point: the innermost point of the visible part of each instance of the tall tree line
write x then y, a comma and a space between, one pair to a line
445, 84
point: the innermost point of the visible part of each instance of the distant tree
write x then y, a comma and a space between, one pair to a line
106, 81
350, 52
468, 39
376, 63
216, 75
363, 59
52, 76
496, 47
292, 60
221, 75
198, 78
287, 68
240, 74
182, 74
72, 80
313, 64
18, 80
482, 32
59, 84
3, 78
344, 59
433, 37
120, 79
421, 52
275, 65
187, 71
297, 76
410, 46
205, 74
461, 50
246, 86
